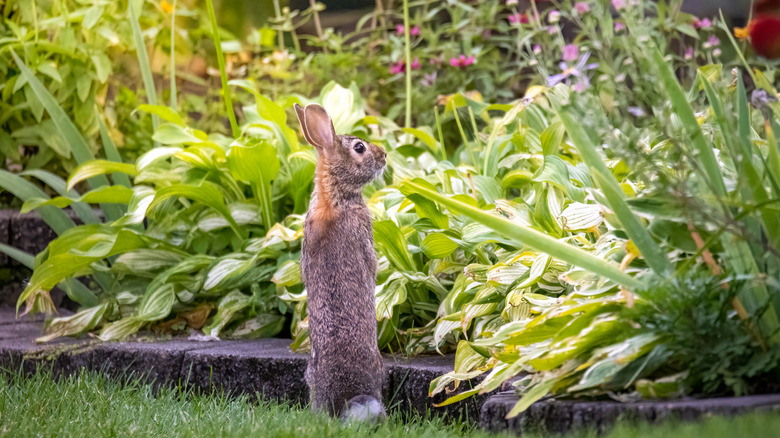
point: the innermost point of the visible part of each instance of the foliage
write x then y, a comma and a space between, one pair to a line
612, 230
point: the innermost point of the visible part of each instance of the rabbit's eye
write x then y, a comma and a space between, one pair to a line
359, 147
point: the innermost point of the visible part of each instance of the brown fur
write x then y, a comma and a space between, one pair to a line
338, 263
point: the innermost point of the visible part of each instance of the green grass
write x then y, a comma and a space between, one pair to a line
95, 405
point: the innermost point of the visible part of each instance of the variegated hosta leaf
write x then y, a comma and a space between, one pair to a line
158, 153
262, 326
228, 267
289, 274
514, 212
443, 328
477, 272
229, 305
615, 358
144, 260
242, 213
505, 273
471, 311
136, 209
438, 245
389, 295
156, 303
81, 322
516, 307
581, 217
538, 268
467, 359
120, 329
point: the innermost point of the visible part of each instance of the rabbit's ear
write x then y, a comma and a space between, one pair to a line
317, 127
302, 120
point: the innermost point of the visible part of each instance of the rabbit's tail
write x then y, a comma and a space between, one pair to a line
363, 408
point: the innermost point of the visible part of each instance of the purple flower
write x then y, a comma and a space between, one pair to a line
551, 30
688, 53
619, 26
712, 41
577, 71
511, 2
703, 23
554, 16
462, 61
570, 52
582, 7
618, 4
636, 111
428, 79
537, 49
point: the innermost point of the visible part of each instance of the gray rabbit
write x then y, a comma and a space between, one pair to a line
338, 264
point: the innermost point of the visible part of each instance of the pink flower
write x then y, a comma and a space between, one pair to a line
399, 30
554, 16
511, 2
688, 53
551, 30
582, 7
428, 79
519, 18
462, 61
619, 26
618, 4
704, 23
400, 66
570, 52
537, 49
397, 68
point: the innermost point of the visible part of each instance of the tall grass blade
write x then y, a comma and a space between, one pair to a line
112, 154
23, 257
24, 190
222, 73
527, 236
83, 211
637, 232
174, 97
143, 60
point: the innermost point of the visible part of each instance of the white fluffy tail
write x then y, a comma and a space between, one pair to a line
363, 408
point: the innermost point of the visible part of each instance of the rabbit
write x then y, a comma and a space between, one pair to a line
338, 264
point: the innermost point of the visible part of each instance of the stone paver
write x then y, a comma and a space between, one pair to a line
560, 416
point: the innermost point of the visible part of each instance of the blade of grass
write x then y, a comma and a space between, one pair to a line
143, 61
223, 75
527, 236
112, 154
683, 110
25, 258
637, 232
174, 98
24, 190
84, 211
78, 145
408, 57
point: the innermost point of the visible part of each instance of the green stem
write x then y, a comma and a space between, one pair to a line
279, 33
174, 99
222, 73
408, 55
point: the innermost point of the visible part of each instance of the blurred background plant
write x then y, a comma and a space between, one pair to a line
581, 196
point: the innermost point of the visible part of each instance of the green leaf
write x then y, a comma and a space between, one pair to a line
528, 236
391, 241
156, 303
206, 193
24, 190
23, 257
651, 252
93, 168
169, 133
105, 194
76, 324
438, 246
143, 59
228, 306
164, 113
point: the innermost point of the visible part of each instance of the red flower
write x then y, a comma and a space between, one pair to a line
764, 29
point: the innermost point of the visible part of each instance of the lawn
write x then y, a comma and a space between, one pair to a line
90, 403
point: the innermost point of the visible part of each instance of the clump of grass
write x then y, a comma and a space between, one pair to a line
39, 406
91, 403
